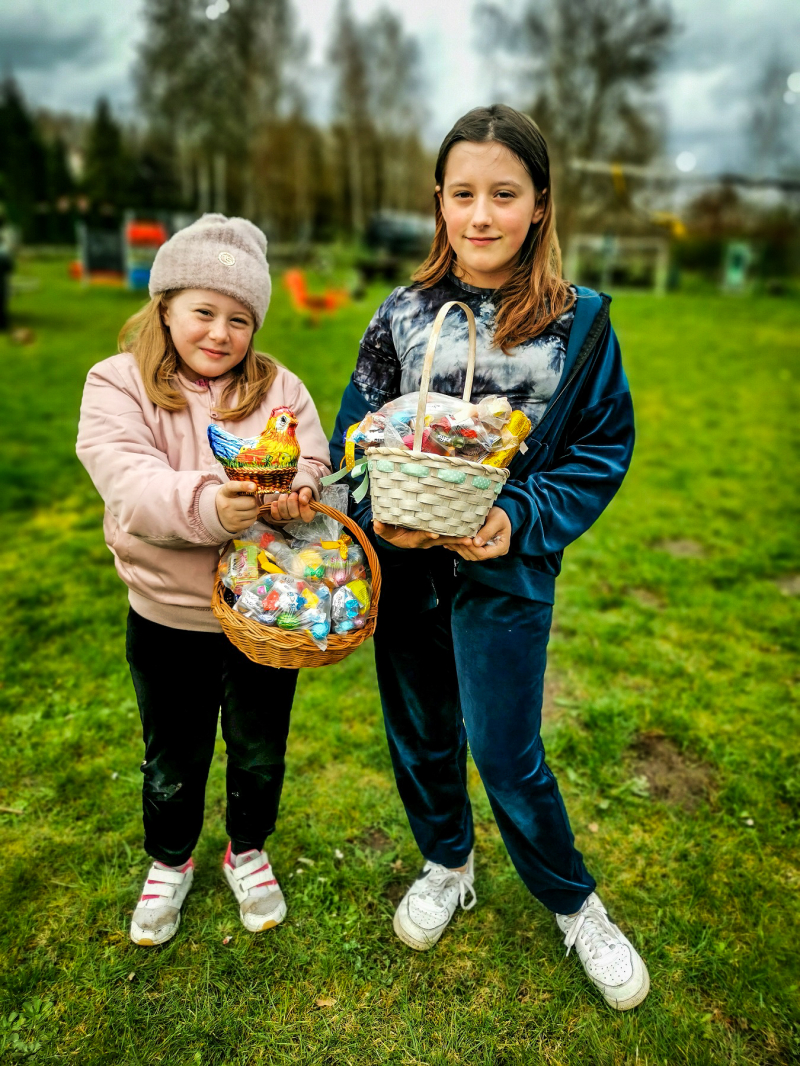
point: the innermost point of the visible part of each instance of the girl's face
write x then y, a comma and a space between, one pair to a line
488, 203
211, 332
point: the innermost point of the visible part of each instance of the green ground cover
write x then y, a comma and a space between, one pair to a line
671, 723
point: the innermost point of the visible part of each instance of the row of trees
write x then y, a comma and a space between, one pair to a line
237, 109
231, 116
229, 120
56, 168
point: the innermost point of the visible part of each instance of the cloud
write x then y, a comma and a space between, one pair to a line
25, 47
65, 55
719, 55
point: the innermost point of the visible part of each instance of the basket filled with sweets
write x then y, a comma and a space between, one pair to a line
304, 600
434, 462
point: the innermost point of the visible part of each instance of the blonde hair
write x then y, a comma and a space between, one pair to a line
150, 341
535, 294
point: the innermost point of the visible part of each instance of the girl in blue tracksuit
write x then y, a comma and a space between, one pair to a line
461, 644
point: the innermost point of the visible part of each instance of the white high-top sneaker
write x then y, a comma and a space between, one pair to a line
158, 912
252, 881
610, 960
426, 909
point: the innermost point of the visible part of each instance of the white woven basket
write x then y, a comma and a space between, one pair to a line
438, 493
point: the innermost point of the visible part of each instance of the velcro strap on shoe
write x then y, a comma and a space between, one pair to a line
263, 877
168, 877
152, 900
240, 872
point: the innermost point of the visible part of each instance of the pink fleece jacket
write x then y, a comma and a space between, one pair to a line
159, 481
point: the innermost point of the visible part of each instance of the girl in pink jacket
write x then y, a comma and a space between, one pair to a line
189, 360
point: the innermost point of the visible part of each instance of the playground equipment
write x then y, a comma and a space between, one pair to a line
101, 259
312, 304
142, 241
606, 261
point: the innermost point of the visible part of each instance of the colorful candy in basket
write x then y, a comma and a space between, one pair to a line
350, 606
282, 601
343, 560
291, 585
488, 432
239, 568
244, 564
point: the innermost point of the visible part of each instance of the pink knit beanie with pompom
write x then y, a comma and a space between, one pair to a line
228, 255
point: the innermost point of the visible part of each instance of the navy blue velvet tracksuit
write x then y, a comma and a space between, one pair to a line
461, 647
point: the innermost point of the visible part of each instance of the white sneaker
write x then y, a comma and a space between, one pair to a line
158, 912
426, 909
261, 902
610, 960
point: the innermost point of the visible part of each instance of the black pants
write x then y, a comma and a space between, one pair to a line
182, 679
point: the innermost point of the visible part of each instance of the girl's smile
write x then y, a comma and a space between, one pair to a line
488, 204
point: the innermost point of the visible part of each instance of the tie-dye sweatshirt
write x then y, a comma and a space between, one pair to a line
393, 348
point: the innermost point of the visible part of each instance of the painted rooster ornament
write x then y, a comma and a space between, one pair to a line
269, 460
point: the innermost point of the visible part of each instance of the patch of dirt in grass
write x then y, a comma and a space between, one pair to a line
648, 598
395, 892
373, 838
552, 688
789, 584
671, 776
681, 548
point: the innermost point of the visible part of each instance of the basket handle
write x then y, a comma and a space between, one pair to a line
427, 365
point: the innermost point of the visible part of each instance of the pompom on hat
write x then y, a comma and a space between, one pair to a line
228, 255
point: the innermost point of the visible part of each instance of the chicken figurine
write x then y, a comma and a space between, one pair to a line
270, 460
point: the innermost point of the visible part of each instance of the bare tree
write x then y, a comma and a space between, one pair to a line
396, 102
773, 148
585, 71
349, 54
379, 114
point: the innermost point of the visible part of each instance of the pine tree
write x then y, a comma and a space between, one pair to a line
108, 169
23, 162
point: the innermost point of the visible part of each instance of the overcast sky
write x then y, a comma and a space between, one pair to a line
66, 53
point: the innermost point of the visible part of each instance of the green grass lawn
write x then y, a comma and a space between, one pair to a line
671, 722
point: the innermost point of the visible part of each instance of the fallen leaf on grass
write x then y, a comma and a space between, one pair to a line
593, 827
326, 1001
227, 939
397, 865
131, 976
338, 854
308, 862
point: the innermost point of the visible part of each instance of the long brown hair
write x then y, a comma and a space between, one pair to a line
149, 340
536, 293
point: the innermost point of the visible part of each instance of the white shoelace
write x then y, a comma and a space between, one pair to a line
598, 932
440, 878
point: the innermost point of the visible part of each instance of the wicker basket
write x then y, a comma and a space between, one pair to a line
291, 649
438, 493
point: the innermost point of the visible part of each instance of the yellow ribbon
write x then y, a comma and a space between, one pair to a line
343, 543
